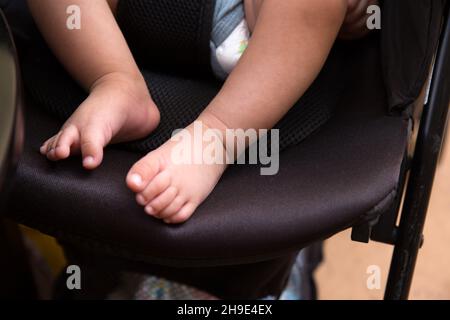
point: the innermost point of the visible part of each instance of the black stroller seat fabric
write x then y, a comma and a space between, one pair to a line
181, 99
174, 34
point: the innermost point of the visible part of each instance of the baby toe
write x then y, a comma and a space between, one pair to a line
161, 202
69, 137
62, 152
183, 215
156, 186
51, 146
173, 208
44, 149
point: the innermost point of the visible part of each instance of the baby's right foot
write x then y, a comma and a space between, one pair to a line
118, 109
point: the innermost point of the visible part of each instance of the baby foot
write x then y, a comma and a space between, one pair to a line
118, 109
172, 190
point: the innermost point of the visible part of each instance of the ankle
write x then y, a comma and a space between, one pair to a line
118, 77
226, 135
131, 96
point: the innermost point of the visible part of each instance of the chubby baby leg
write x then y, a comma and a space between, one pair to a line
290, 43
119, 107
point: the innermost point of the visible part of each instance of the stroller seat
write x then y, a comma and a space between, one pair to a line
248, 217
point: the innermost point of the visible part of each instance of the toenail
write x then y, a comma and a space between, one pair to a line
136, 179
88, 161
149, 210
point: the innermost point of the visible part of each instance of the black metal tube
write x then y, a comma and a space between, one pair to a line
429, 144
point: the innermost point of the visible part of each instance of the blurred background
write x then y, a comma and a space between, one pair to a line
343, 274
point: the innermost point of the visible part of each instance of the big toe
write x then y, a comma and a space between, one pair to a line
92, 143
143, 172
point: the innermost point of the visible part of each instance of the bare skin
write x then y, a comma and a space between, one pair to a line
259, 82
119, 107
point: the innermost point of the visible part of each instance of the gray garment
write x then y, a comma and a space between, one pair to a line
227, 16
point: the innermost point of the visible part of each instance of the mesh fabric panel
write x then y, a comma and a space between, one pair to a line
180, 99
171, 33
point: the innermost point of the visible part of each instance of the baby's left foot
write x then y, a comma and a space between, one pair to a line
170, 190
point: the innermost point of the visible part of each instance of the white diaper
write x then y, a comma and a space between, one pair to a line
229, 36
231, 50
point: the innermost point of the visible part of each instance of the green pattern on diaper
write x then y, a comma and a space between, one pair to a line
243, 46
